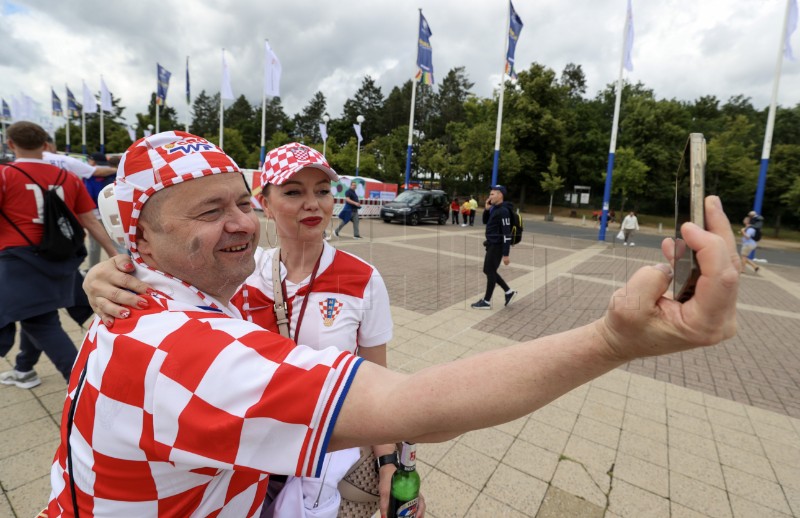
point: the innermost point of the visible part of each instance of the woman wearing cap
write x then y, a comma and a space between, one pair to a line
331, 298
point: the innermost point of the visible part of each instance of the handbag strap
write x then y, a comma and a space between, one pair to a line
277, 289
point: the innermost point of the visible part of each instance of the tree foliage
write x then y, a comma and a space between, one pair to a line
545, 114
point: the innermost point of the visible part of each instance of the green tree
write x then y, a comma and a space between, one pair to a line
205, 115
306, 124
240, 116
629, 176
732, 170
234, 145
368, 102
551, 182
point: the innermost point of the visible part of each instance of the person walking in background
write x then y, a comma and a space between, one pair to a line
497, 218
473, 208
95, 184
34, 288
630, 224
349, 211
73, 165
454, 208
465, 213
749, 244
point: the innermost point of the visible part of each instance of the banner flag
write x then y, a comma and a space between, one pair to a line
272, 73
6, 111
424, 52
105, 97
57, 111
514, 28
131, 133
225, 91
89, 101
791, 26
323, 131
629, 39
163, 84
188, 91
357, 127
72, 104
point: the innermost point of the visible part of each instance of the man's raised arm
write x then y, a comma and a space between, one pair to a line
445, 400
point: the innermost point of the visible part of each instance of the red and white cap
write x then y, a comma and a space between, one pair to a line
282, 163
157, 162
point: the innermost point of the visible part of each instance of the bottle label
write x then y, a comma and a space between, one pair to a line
408, 509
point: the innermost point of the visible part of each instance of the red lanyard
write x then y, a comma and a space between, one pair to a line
305, 300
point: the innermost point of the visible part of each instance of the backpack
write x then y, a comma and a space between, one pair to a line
757, 223
63, 235
516, 227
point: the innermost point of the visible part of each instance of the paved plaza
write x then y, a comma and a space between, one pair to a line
711, 432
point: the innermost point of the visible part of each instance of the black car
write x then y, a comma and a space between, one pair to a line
417, 205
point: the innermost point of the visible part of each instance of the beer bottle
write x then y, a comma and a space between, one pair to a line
405, 484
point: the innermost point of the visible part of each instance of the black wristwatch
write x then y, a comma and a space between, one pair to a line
385, 459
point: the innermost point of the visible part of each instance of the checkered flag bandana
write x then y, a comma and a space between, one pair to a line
157, 162
282, 163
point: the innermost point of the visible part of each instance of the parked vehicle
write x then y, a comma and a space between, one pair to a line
417, 205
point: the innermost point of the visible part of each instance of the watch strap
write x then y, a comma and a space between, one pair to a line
383, 460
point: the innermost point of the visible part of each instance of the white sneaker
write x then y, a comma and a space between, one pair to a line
624, 244
632, 244
24, 380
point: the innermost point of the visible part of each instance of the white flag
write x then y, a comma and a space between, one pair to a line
628, 59
272, 73
791, 26
225, 91
105, 97
147, 133
89, 101
132, 133
323, 131
357, 127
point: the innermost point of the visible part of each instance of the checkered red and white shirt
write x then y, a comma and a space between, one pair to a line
185, 410
347, 308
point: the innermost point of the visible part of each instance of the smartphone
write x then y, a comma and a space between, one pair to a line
689, 206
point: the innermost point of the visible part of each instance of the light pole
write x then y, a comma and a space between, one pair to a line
325, 119
360, 120
150, 129
134, 127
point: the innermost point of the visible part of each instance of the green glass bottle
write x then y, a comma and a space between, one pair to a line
404, 498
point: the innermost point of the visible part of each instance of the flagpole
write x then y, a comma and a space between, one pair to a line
499, 129
221, 105
264, 112
83, 130
67, 146
188, 100
158, 128
767, 148
414, 82
102, 131
612, 148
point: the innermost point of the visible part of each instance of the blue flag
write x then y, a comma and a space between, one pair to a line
514, 28
424, 52
163, 85
6, 111
188, 95
57, 111
72, 104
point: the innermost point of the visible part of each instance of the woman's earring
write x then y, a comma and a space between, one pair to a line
267, 234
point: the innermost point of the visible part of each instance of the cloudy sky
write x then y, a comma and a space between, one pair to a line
683, 48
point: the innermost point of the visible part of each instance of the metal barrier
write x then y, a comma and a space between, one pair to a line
369, 208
